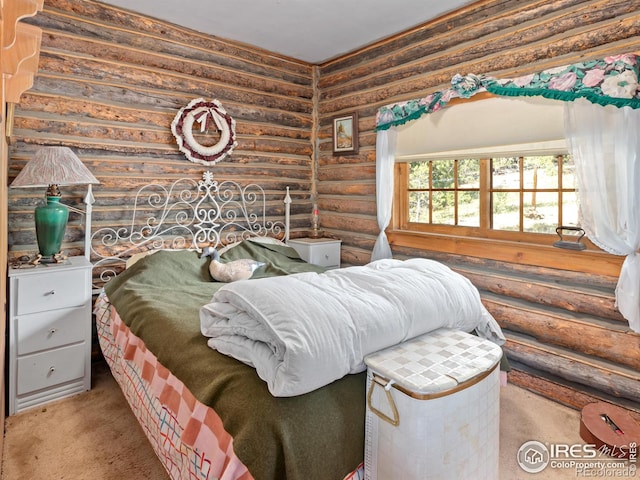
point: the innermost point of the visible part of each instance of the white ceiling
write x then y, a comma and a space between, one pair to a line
309, 30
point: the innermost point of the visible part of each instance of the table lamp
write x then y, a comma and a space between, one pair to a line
51, 167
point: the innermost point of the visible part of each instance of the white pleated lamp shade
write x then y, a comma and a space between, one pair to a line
54, 166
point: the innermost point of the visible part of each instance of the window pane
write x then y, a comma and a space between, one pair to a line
443, 174
540, 172
419, 207
469, 209
570, 209
524, 194
419, 175
540, 212
568, 173
506, 211
444, 208
469, 173
505, 173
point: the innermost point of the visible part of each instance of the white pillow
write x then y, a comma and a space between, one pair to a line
263, 240
140, 255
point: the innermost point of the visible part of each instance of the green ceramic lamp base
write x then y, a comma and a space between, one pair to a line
51, 222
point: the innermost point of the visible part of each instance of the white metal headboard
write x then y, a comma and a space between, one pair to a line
188, 214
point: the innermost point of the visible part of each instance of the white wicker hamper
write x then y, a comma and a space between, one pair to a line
433, 409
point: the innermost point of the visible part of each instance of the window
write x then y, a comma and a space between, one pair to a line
503, 197
489, 178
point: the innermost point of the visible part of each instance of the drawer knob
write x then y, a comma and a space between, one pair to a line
52, 331
52, 370
326, 255
52, 292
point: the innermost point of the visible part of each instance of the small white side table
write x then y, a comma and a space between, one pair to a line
49, 333
319, 251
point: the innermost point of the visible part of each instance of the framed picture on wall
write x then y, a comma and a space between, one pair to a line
345, 134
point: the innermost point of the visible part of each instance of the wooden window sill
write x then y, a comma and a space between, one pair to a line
587, 261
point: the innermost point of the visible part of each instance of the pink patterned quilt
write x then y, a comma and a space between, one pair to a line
187, 436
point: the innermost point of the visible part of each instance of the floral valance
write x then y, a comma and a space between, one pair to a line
612, 80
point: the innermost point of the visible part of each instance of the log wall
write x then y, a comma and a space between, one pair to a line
565, 338
19, 50
109, 84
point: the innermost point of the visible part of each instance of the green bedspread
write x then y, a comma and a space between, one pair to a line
319, 435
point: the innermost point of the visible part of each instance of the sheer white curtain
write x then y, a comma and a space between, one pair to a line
605, 145
385, 158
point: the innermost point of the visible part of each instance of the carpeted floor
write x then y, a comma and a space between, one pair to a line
94, 435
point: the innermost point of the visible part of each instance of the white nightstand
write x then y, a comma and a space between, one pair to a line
319, 251
49, 333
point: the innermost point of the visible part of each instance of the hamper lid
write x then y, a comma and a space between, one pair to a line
436, 361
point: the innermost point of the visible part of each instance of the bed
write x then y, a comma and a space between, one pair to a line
207, 414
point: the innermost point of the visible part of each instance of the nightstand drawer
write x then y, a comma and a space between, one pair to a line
327, 255
37, 293
41, 331
54, 367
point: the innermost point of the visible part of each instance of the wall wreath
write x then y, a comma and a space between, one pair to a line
204, 113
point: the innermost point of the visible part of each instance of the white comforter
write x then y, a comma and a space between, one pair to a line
303, 331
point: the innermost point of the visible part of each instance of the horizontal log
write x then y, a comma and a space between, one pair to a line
362, 224
347, 188
34, 104
95, 14
251, 168
463, 263
545, 256
491, 35
347, 205
354, 256
567, 395
573, 298
125, 187
294, 178
264, 169
144, 72
327, 159
162, 136
347, 173
254, 121
25, 235
355, 241
120, 75
490, 17
106, 201
170, 100
578, 333
115, 212
610, 379
69, 126
419, 85
550, 390
167, 57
